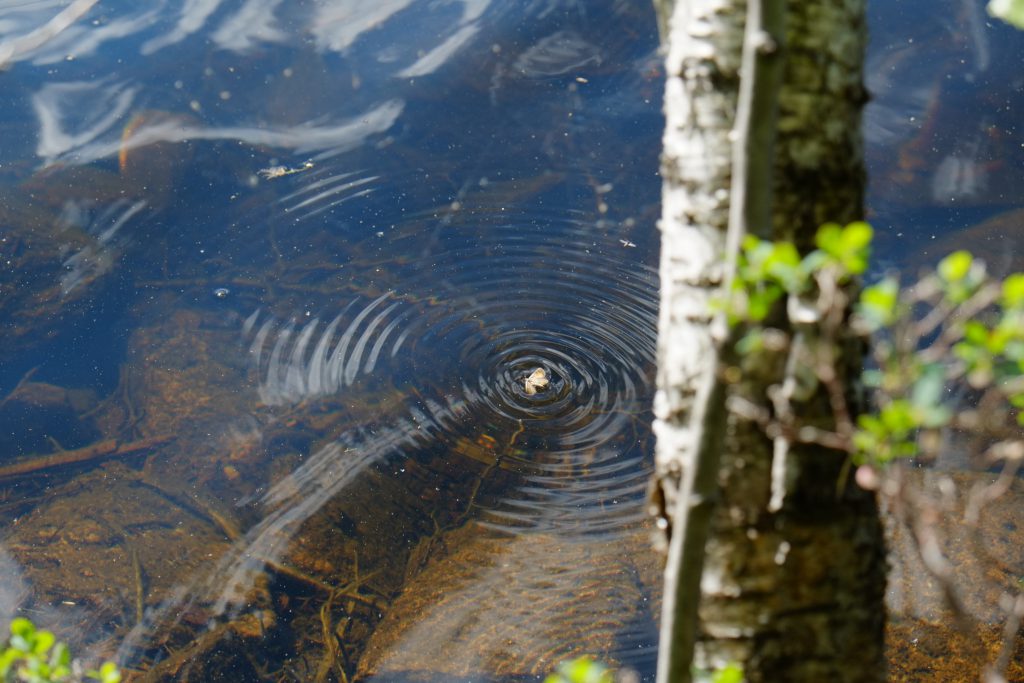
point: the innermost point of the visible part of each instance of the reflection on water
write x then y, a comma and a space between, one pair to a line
945, 86
333, 240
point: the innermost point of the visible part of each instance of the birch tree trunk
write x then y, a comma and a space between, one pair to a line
793, 575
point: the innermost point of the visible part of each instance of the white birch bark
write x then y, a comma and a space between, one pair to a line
793, 583
703, 41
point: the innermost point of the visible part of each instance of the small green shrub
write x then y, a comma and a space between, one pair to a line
956, 330
581, 670
588, 670
730, 673
33, 655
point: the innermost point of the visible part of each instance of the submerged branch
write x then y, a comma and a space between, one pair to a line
109, 448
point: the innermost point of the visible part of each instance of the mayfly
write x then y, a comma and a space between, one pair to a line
537, 381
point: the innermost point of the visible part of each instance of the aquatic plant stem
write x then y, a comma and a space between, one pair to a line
749, 211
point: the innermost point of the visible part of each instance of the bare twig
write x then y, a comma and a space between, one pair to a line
921, 516
997, 671
985, 494
951, 321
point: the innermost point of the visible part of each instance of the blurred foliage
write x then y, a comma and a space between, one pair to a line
768, 270
589, 670
730, 673
581, 670
1010, 11
34, 655
956, 331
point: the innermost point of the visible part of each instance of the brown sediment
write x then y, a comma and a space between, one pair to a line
926, 639
488, 605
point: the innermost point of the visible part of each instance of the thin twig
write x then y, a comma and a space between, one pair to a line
1010, 630
921, 516
952, 322
24, 379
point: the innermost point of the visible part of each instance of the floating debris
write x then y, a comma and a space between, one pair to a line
281, 171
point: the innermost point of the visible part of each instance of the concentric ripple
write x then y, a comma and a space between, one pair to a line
469, 323
560, 302
305, 362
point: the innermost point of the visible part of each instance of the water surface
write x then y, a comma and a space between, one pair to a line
275, 275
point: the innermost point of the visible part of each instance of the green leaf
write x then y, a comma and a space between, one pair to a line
848, 246
44, 641
1013, 290
899, 417
975, 332
877, 304
580, 670
759, 303
856, 236
856, 244
829, 238
20, 626
109, 673
61, 656
998, 338
928, 388
755, 253
870, 424
20, 643
784, 253
1010, 11
782, 266
960, 275
7, 659
750, 242
955, 267
731, 673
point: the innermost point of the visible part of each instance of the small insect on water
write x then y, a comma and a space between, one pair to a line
537, 381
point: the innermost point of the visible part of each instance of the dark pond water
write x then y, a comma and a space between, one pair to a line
944, 131
275, 277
